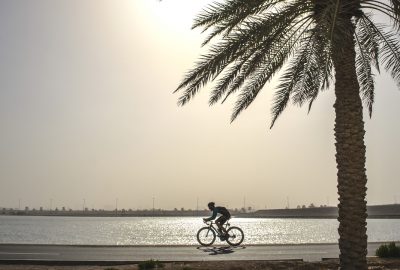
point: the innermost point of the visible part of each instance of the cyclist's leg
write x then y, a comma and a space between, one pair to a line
220, 221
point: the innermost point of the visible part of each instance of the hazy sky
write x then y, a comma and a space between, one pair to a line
87, 113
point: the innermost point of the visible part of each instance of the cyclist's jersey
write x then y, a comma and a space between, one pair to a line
219, 210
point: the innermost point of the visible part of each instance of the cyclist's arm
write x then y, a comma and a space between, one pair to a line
214, 215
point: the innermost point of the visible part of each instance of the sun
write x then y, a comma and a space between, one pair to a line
175, 14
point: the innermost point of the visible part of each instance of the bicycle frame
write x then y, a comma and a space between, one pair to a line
212, 226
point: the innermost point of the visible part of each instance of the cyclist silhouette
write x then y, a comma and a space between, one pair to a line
225, 216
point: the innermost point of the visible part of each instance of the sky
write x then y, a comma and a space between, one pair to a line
88, 118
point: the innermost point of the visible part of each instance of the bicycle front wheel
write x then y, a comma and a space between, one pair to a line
206, 236
235, 236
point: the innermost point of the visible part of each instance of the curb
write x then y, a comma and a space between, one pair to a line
65, 263
112, 263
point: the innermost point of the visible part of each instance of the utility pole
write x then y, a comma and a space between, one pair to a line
84, 203
197, 206
153, 206
116, 206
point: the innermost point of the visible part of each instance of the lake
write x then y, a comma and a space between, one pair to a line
176, 230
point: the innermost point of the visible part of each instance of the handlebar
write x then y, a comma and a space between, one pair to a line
207, 222
210, 222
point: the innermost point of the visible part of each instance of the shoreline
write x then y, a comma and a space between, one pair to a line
245, 216
193, 245
383, 211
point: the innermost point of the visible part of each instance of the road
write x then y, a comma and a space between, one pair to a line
90, 254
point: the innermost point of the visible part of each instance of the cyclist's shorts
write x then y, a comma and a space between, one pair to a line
222, 219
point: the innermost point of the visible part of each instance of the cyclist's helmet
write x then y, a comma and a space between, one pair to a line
211, 205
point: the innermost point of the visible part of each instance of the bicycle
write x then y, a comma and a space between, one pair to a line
207, 235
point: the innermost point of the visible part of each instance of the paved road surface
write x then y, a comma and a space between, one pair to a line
309, 252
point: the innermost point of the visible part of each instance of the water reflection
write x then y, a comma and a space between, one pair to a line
176, 230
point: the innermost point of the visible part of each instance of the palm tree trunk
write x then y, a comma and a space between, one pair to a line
350, 156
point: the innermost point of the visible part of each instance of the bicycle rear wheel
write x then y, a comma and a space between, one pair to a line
235, 236
206, 236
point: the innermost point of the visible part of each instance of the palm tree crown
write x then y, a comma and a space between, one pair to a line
260, 36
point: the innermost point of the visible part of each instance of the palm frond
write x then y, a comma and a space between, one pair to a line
273, 63
324, 60
323, 71
248, 68
277, 53
392, 9
390, 48
209, 66
257, 81
320, 70
309, 72
253, 34
216, 31
231, 13
396, 12
289, 80
396, 7
214, 62
364, 73
325, 24
308, 86
283, 28
228, 77
368, 38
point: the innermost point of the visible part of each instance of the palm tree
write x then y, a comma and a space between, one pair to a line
315, 42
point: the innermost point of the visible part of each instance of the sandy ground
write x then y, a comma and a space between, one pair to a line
373, 263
